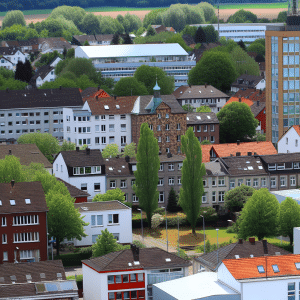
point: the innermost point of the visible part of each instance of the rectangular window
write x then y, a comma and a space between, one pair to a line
160, 182
204, 198
111, 117
204, 182
212, 127
263, 182
232, 183
26, 237
111, 139
213, 181
221, 196
248, 182
273, 182
221, 181
179, 180
240, 182
123, 140
103, 128
167, 139
132, 182
96, 220
178, 138
135, 198
123, 127
255, 182
132, 279
3, 223
111, 280
123, 117
198, 128
178, 126
97, 187
112, 184
291, 291
97, 128
102, 117
293, 180
111, 127
161, 198
5, 255
97, 140
113, 219
167, 126
161, 167
282, 181
4, 238
171, 167
94, 238
171, 181
205, 128
103, 140
84, 186
213, 196
123, 184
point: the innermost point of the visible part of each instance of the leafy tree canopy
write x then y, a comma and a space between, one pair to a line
67, 146
13, 17
115, 194
257, 47
203, 108
130, 150
242, 16
188, 107
72, 13
111, 150
237, 122
129, 86
11, 169
105, 243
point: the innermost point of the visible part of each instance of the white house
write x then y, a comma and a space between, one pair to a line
100, 122
13, 54
7, 64
84, 169
290, 141
130, 274
111, 215
259, 278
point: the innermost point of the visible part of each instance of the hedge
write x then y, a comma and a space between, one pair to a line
74, 259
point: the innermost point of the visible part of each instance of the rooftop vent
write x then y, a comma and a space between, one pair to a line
237, 256
43, 275
251, 255
106, 107
28, 278
12, 202
118, 106
27, 201
168, 259
278, 253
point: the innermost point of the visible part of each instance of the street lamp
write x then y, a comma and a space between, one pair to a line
178, 233
141, 223
166, 227
217, 246
203, 230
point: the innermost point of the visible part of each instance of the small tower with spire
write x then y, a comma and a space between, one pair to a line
156, 98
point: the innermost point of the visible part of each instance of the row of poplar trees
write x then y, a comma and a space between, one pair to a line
192, 172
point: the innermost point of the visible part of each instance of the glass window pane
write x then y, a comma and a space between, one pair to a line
140, 277
110, 279
118, 279
93, 220
125, 278
99, 220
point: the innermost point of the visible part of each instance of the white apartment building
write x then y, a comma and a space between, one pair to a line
100, 122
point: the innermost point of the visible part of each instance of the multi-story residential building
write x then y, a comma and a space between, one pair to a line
84, 169
23, 226
120, 174
289, 142
7, 64
35, 110
111, 215
117, 61
27, 153
93, 39
282, 74
36, 280
247, 32
199, 95
205, 126
283, 170
101, 121
130, 274
13, 54
164, 116
246, 81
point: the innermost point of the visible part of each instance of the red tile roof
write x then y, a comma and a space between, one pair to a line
225, 150
245, 268
297, 128
236, 99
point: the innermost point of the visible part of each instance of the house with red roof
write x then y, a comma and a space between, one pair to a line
258, 109
260, 278
289, 142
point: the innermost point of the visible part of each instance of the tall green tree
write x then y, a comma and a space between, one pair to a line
105, 243
47, 143
11, 169
67, 146
236, 198
211, 35
116, 39
127, 39
200, 36
64, 220
259, 216
215, 68
237, 122
193, 170
289, 217
148, 76
129, 86
13, 17
150, 31
90, 24
146, 174
115, 194
172, 201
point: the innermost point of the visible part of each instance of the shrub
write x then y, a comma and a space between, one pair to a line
160, 211
139, 244
156, 220
284, 246
211, 247
182, 254
129, 204
73, 259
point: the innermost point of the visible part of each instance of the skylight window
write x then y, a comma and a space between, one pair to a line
208, 117
130, 264
110, 169
198, 117
260, 167
200, 92
260, 269
106, 107
84, 208
247, 162
118, 106
250, 168
27, 201
123, 167
275, 268
168, 259
12, 202
237, 256
258, 162
297, 264
251, 255
245, 169
0, 202
187, 118
136, 263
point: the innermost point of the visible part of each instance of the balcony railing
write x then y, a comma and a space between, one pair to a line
161, 277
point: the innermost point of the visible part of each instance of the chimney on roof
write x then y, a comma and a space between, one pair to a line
252, 240
205, 85
98, 87
240, 99
135, 251
12, 183
238, 154
77, 149
87, 151
238, 142
115, 97
127, 158
7, 90
240, 241
265, 245
96, 97
9, 151
257, 102
60, 87
249, 153
169, 155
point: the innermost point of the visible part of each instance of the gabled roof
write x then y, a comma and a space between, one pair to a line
246, 268
245, 81
297, 129
7, 60
93, 37
169, 100
111, 105
73, 190
201, 118
19, 191
149, 258
27, 153
226, 150
165, 158
243, 250
9, 50
50, 268
56, 42
81, 158
255, 106
40, 98
281, 158
92, 92
198, 92
43, 71
244, 165
251, 94
215, 168
100, 206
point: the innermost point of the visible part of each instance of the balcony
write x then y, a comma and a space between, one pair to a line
161, 277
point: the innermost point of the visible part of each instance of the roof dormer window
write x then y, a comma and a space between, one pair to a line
275, 268
260, 269
12, 202
27, 201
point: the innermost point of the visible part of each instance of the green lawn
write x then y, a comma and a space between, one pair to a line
254, 5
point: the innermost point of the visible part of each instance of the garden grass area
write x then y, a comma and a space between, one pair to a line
186, 238
254, 5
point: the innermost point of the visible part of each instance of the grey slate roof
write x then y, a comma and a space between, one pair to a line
243, 250
35, 98
43, 71
9, 50
247, 81
92, 37
257, 107
99, 206
80, 158
215, 168
149, 258
169, 100
117, 167
201, 118
281, 158
73, 190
